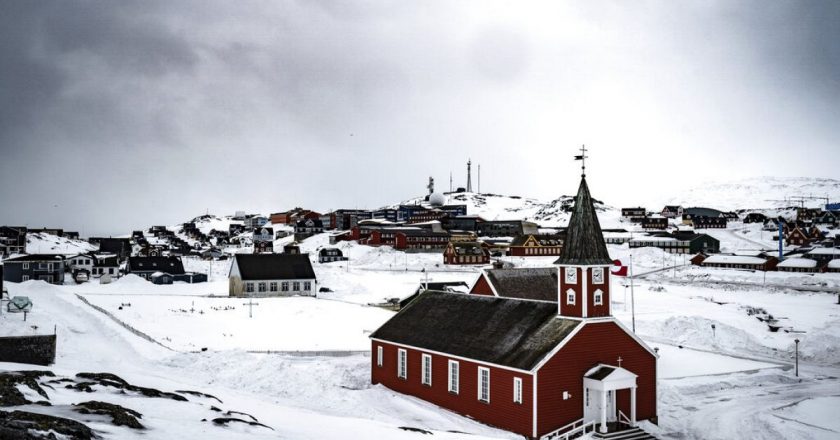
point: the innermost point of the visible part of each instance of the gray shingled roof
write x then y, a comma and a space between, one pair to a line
275, 266
507, 332
584, 240
525, 283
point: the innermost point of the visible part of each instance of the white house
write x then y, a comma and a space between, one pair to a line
271, 275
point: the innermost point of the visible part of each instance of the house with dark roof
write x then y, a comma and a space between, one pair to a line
536, 368
145, 267
536, 284
44, 267
271, 275
535, 245
649, 223
12, 240
672, 211
634, 215
678, 242
329, 255
308, 227
263, 240
466, 252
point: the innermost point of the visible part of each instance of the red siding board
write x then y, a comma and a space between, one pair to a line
500, 412
596, 343
482, 287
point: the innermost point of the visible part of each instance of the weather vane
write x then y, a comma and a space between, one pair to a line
582, 158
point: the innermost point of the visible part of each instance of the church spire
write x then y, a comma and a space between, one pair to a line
584, 244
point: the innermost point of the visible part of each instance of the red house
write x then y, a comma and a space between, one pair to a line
534, 245
530, 367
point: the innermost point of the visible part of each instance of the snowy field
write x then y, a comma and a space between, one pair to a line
733, 381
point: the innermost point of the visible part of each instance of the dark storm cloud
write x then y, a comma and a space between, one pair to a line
121, 114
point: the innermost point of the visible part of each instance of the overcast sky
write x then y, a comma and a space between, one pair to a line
116, 115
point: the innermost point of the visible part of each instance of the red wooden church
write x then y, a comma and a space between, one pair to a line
530, 367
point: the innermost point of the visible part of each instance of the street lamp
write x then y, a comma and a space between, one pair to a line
713, 330
796, 341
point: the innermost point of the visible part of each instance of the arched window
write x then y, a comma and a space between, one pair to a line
599, 297
570, 297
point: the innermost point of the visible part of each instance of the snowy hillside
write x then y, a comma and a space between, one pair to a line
755, 193
501, 207
43, 243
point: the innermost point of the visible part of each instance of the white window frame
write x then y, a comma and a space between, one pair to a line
599, 271
426, 372
571, 297
571, 275
599, 297
24, 278
517, 390
481, 375
379, 356
454, 377
272, 286
284, 286
249, 287
402, 360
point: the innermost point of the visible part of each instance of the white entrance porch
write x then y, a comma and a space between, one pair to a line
600, 385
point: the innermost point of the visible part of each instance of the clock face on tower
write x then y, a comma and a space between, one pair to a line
597, 275
571, 275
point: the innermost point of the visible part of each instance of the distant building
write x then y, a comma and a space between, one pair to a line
535, 245
506, 228
307, 228
12, 240
702, 222
263, 240
255, 221
738, 262
681, 242
634, 215
466, 253
654, 223
271, 275
755, 217
345, 219
121, 247
329, 255
672, 211
145, 267
798, 265
798, 237
43, 267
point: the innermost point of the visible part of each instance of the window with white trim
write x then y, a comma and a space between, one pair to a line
402, 356
570, 297
571, 275
426, 377
25, 278
599, 297
379, 356
453, 377
517, 390
25, 266
249, 287
261, 287
484, 384
597, 275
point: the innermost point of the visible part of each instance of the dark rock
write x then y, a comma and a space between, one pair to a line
22, 425
9, 393
112, 380
225, 420
410, 429
230, 413
120, 416
199, 394
213, 408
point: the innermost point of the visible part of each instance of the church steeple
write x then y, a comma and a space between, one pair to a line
584, 262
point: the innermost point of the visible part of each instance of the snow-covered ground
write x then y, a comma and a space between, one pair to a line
733, 380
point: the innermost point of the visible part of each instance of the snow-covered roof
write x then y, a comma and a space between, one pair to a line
653, 239
834, 264
798, 262
824, 251
733, 259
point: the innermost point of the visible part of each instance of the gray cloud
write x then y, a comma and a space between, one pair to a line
122, 114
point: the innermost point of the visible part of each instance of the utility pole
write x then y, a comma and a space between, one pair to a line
796, 341
469, 175
479, 178
632, 296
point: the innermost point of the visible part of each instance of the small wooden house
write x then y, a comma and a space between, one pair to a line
535, 245
466, 252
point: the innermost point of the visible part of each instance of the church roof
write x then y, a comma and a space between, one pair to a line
502, 331
584, 240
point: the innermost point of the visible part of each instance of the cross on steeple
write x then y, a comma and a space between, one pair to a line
582, 158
